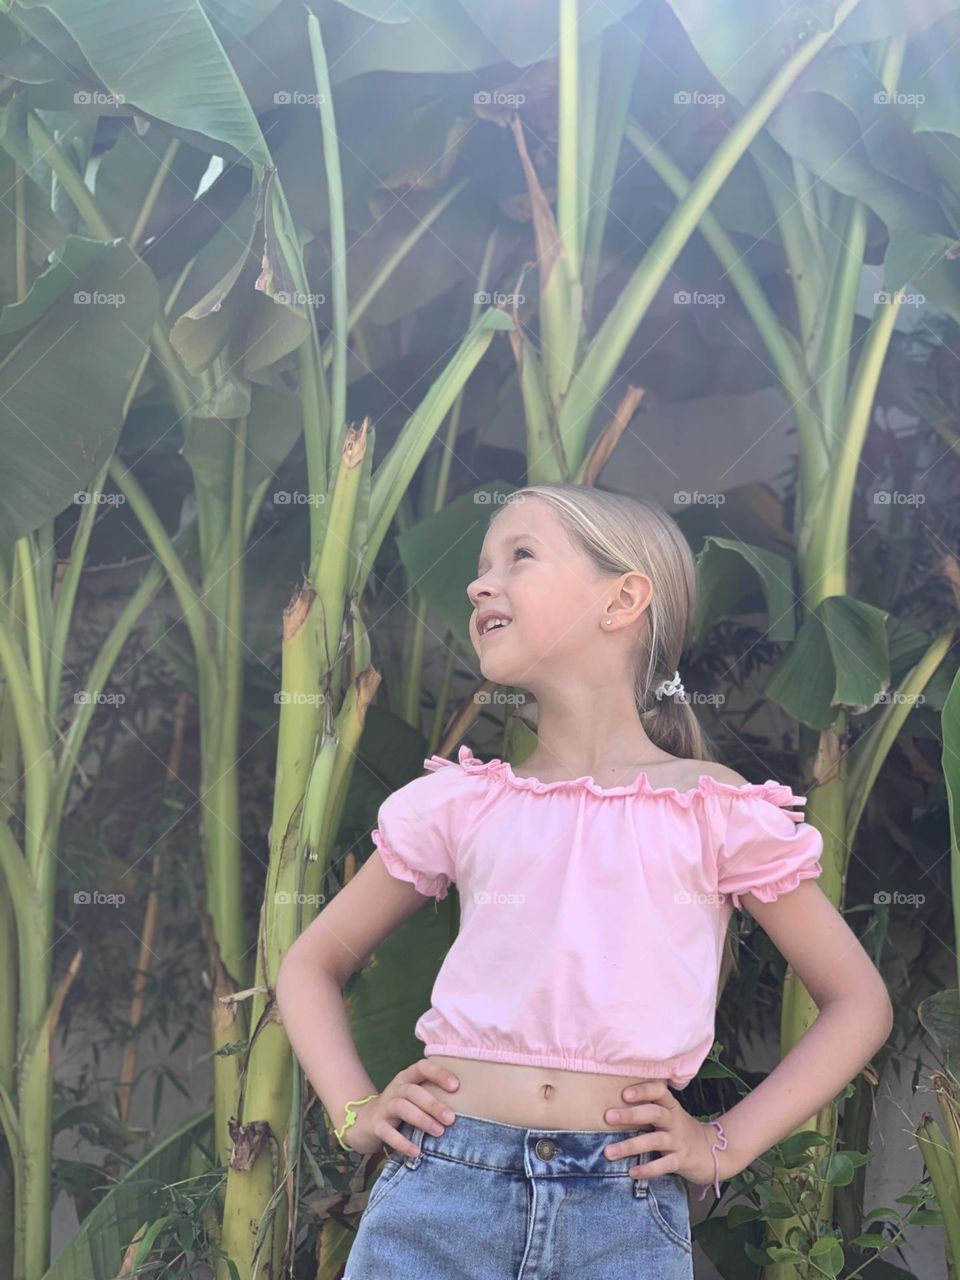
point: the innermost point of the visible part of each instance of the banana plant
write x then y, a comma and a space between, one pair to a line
829, 371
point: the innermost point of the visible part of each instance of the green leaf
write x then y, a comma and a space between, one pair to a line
839, 659
77, 341
734, 577
132, 47
97, 1248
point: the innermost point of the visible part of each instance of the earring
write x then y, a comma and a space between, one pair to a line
609, 622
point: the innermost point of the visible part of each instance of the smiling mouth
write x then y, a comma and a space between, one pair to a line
492, 631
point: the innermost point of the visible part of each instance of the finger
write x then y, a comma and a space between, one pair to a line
427, 1069
667, 1163
652, 1113
437, 1112
635, 1144
650, 1091
402, 1108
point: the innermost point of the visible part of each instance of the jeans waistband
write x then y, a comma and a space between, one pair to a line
511, 1148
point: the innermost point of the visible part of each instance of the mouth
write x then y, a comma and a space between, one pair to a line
493, 629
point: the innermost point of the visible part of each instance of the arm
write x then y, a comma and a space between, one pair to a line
856, 1017
313, 972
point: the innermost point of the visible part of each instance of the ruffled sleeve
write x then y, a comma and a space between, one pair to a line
763, 847
415, 833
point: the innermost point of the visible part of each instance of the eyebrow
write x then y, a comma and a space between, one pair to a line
517, 537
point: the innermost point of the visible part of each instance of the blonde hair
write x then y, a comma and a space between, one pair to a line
621, 535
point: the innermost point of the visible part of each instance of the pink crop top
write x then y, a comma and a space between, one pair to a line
592, 918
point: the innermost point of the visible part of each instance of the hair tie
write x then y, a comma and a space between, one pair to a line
351, 1119
720, 1145
669, 687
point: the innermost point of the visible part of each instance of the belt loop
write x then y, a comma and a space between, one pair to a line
641, 1184
412, 1162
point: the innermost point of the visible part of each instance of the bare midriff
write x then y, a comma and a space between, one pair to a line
534, 1097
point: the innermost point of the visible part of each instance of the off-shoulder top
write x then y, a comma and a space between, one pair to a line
592, 919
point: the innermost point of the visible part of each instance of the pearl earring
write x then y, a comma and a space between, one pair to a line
609, 622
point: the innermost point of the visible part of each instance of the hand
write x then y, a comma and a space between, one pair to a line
685, 1143
404, 1098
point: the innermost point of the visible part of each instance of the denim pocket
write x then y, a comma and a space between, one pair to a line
391, 1173
670, 1208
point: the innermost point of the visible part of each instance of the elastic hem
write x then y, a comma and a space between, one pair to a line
683, 1068
429, 886
778, 793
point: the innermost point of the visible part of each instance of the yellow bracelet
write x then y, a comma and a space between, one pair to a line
351, 1119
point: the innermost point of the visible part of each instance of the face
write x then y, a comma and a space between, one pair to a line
553, 595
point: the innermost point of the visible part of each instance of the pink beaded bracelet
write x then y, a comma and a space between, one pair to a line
719, 1145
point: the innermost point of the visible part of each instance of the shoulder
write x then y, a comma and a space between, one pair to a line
720, 773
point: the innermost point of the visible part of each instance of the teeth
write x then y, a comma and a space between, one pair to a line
494, 622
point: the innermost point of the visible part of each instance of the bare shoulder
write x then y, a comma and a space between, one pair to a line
719, 772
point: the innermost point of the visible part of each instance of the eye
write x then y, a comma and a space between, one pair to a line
517, 550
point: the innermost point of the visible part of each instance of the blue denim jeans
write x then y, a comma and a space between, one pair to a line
490, 1201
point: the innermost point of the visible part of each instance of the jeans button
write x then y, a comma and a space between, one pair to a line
546, 1149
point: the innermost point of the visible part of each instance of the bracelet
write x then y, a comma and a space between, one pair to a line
351, 1119
720, 1144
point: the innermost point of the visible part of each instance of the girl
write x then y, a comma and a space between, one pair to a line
538, 1137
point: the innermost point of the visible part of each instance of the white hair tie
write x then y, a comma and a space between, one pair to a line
669, 687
